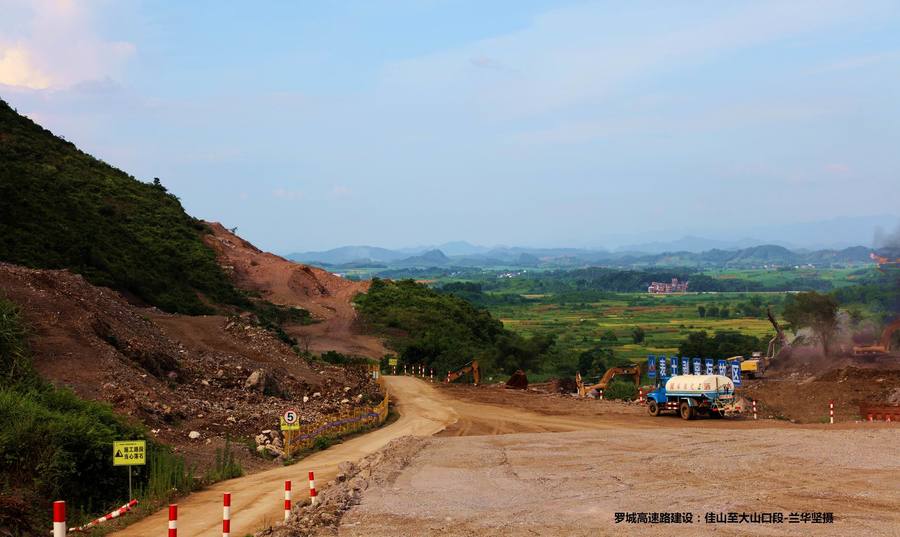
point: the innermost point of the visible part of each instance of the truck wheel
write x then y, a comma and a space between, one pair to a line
686, 411
653, 408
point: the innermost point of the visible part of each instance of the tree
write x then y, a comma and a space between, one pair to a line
724, 312
724, 344
608, 337
712, 311
814, 311
637, 334
701, 310
594, 362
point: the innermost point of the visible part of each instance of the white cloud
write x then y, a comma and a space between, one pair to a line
288, 195
58, 47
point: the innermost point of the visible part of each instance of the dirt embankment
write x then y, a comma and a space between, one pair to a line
213, 375
326, 296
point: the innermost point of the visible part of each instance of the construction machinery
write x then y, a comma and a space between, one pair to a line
470, 367
631, 370
755, 366
884, 344
693, 395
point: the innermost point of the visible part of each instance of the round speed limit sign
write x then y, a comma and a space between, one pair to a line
291, 416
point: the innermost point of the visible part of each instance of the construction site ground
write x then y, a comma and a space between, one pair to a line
522, 463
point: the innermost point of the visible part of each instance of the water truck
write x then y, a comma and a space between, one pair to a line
694, 395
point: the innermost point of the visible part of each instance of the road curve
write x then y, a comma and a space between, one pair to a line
256, 500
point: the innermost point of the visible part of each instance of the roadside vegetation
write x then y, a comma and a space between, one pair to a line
55, 445
444, 331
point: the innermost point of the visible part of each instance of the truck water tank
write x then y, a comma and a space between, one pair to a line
699, 384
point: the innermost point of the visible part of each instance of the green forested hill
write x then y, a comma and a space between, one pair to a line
63, 208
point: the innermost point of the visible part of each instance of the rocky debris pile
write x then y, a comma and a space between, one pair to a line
191, 380
269, 442
345, 491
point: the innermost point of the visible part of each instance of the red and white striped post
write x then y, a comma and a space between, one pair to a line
887, 417
601, 394
173, 520
287, 500
404, 369
59, 519
432, 375
226, 514
870, 417
754, 409
313, 500
831, 412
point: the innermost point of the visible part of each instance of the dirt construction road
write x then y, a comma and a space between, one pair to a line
602, 458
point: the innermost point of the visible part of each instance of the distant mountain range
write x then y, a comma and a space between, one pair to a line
753, 256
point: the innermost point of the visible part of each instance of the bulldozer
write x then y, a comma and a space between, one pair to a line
470, 367
632, 370
884, 344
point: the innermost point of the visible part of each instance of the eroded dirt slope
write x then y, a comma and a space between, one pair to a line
215, 375
280, 281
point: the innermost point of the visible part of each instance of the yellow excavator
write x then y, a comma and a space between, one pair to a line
883, 346
630, 370
471, 367
755, 366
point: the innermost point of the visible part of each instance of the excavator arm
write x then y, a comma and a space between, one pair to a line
471, 367
632, 370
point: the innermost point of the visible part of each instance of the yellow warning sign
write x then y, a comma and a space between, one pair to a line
129, 452
392, 361
285, 426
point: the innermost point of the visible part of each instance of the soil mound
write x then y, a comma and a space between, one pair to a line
328, 297
214, 375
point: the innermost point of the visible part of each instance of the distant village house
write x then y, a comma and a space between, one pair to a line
662, 288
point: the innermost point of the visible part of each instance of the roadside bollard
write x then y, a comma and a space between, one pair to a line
432, 375
887, 418
601, 394
173, 520
59, 519
226, 514
870, 417
312, 489
754, 409
831, 412
404, 369
287, 500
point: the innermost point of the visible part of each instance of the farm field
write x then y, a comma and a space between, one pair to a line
666, 320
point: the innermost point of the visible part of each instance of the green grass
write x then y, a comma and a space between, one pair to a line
667, 320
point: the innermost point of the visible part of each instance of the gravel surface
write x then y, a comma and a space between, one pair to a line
574, 483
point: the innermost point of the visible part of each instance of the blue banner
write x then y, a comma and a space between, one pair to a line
685, 366
697, 370
709, 366
662, 367
651, 367
673, 365
736, 373
723, 368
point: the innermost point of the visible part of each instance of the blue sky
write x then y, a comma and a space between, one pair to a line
313, 125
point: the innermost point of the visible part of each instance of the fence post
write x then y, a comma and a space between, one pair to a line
831, 412
313, 500
226, 514
287, 500
173, 520
754, 409
59, 519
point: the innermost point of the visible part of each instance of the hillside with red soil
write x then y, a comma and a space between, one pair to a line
216, 375
328, 297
